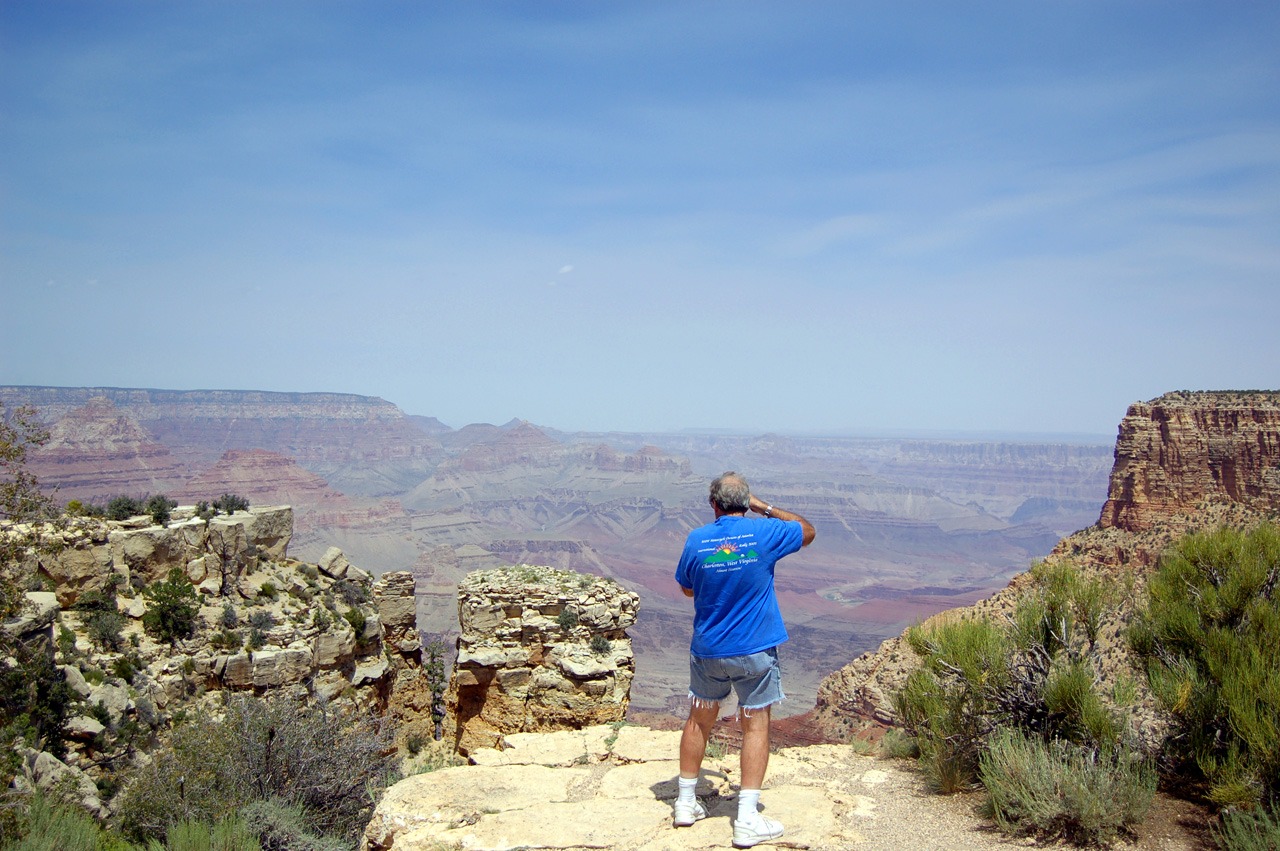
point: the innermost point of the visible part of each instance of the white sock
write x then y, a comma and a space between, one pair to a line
687, 785
747, 801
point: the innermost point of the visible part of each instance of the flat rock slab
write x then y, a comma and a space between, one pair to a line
613, 787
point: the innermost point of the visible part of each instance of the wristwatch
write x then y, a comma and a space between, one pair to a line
768, 510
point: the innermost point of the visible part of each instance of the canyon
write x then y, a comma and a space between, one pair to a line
906, 527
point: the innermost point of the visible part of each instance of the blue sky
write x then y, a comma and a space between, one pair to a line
796, 217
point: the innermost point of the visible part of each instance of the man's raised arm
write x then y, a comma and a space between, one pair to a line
759, 506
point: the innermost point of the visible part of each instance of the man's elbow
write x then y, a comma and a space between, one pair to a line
688, 592
809, 534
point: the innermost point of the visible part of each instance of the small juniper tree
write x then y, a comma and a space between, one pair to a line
173, 607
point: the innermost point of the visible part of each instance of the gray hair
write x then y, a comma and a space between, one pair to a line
731, 493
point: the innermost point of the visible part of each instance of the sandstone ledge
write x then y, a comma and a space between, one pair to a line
607, 787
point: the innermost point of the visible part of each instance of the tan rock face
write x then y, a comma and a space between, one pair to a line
1182, 448
541, 649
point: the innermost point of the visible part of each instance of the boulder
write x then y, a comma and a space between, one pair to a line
48, 773
334, 564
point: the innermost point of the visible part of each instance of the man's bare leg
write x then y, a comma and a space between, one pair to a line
755, 746
697, 731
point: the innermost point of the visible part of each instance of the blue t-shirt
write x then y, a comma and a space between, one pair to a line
729, 566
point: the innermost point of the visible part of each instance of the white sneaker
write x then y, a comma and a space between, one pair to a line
748, 833
687, 814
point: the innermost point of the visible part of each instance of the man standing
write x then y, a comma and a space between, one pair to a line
727, 568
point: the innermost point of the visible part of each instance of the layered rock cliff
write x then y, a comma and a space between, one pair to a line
1184, 461
541, 649
360, 444
1187, 448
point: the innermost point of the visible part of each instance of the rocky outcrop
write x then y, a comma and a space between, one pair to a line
1183, 461
540, 649
215, 553
265, 623
1185, 448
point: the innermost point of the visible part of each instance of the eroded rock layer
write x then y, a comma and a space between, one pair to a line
540, 649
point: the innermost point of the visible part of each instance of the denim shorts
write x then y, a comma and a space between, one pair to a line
756, 678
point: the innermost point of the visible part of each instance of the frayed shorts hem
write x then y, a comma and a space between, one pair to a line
706, 703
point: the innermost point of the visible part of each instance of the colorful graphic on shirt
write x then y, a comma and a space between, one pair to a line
729, 551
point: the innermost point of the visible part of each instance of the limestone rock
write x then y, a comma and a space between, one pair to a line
76, 680
394, 595
541, 649
333, 563
50, 774
35, 617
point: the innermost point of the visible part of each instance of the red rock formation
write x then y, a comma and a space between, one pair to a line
1184, 448
97, 450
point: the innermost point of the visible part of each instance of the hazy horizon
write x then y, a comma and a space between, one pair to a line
803, 218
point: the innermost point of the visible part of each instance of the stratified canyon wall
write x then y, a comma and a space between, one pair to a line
1184, 461
1187, 448
359, 444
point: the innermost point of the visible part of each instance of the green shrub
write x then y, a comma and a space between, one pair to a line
356, 617
226, 640
567, 619
1035, 674
268, 590
1210, 638
1253, 830
262, 620
282, 826
160, 507
104, 630
126, 667
230, 503
66, 642
228, 834
52, 826
123, 507
1059, 789
351, 593
204, 511
322, 761
174, 607
321, 619
229, 619
599, 645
